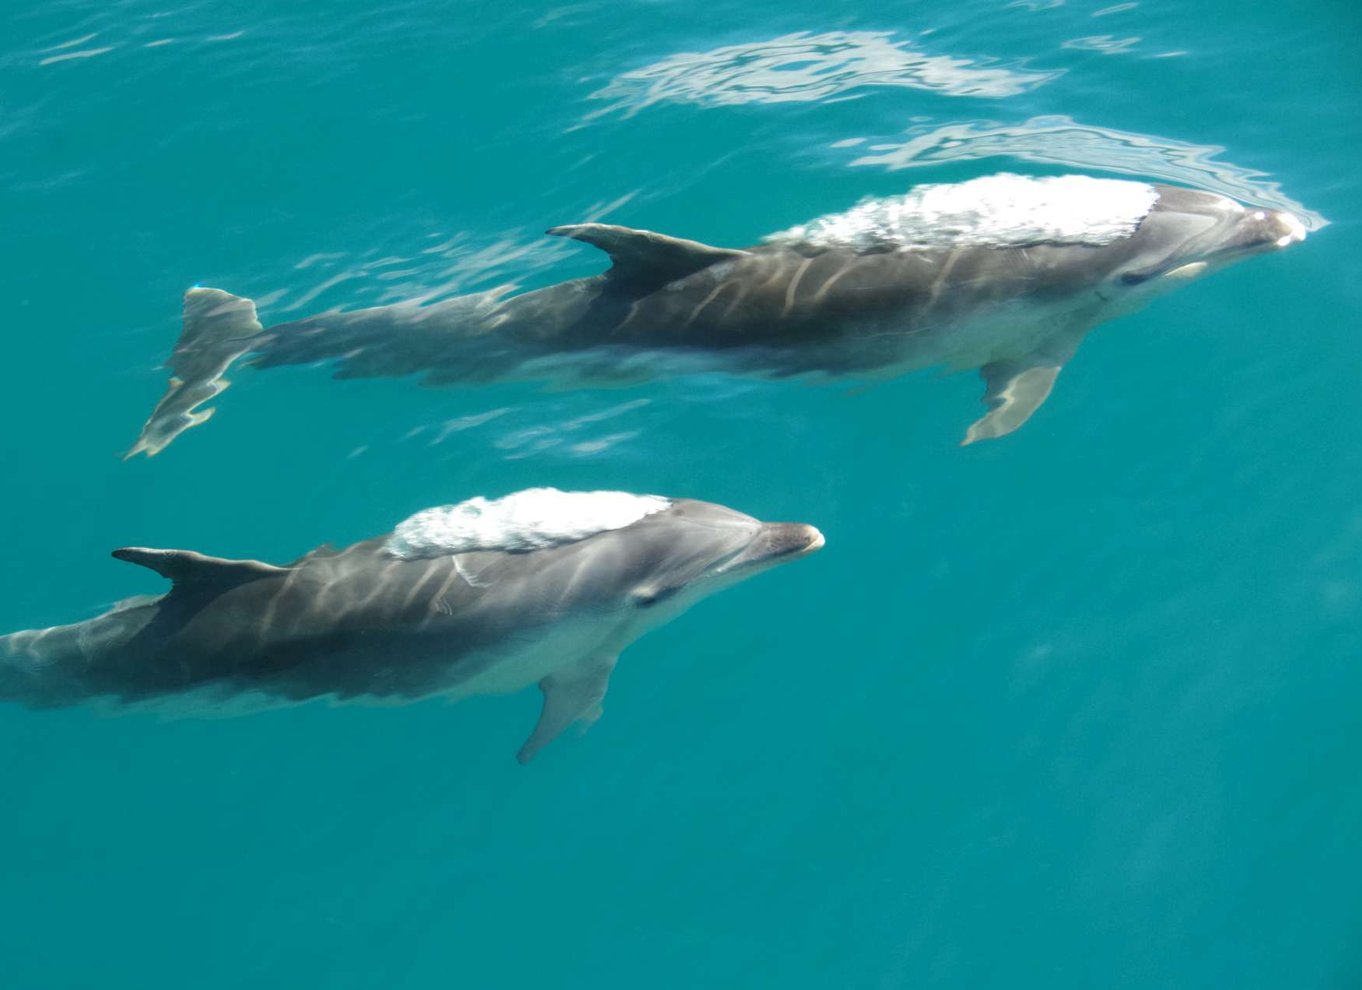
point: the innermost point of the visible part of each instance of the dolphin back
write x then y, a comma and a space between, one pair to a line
123, 655
65, 665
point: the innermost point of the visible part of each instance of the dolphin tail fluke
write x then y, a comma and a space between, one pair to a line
218, 328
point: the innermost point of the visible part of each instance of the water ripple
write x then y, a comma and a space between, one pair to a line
73, 42
1119, 8
1107, 44
806, 67
1059, 140
531, 431
68, 56
397, 268
118, 29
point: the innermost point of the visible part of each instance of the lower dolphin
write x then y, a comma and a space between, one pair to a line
1004, 274
484, 597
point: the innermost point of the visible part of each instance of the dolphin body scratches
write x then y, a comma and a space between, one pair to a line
1004, 274
441, 607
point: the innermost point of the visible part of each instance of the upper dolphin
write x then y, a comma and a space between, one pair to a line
1004, 273
483, 597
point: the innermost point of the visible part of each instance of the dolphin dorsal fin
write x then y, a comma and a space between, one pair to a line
187, 567
642, 260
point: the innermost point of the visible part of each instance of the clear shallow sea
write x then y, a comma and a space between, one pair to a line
1079, 708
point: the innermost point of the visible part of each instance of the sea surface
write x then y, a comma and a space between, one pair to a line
1077, 708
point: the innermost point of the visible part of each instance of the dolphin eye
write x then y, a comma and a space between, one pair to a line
1134, 278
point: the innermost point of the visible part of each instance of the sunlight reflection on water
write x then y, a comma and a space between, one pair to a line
807, 67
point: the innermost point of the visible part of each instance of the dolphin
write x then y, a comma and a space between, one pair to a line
1005, 274
484, 597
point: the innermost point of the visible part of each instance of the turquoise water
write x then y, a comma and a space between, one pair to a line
1078, 708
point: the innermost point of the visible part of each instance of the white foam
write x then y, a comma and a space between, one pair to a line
994, 211
532, 519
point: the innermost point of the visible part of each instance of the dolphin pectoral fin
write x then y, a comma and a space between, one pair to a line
218, 329
1014, 391
569, 695
642, 260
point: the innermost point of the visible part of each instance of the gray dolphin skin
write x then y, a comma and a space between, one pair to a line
462, 600
1004, 274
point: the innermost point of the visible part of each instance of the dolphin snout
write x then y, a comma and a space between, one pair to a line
782, 541
1291, 229
1269, 229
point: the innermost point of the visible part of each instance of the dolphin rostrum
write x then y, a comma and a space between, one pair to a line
483, 597
1004, 273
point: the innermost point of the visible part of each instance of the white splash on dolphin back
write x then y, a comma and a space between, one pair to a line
1063, 141
994, 211
533, 519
